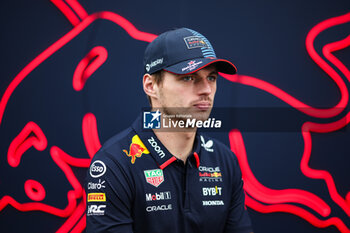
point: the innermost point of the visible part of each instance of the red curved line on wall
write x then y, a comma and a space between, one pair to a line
92, 143
129, 27
132, 31
31, 135
73, 219
35, 206
67, 12
314, 32
72, 10
77, 8
307, 128
310, 38
335, 46
125, 24
80, 225
275, 91
237, 146
295, 210
73, 161
254, 188
62, 160
90, 134
315, 112
34, 190
88, 65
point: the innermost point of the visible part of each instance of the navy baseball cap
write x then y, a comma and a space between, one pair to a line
182, 51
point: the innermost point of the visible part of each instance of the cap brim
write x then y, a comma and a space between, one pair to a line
193, 65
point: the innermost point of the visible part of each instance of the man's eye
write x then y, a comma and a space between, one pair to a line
212, 78
187, 78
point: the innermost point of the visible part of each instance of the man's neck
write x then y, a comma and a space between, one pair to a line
179, 144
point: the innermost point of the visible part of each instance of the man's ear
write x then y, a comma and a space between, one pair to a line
149, 85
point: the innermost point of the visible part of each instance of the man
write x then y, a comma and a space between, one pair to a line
177, 180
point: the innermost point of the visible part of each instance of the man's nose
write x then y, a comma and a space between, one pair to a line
204, 87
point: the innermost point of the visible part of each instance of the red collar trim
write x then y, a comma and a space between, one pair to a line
197, 159
166, 163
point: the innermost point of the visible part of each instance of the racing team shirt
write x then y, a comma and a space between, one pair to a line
135, 184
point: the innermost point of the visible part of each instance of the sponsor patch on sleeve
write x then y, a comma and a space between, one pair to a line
96, 210
97, 169
96, 197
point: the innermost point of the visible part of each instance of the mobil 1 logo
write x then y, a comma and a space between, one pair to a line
158, 196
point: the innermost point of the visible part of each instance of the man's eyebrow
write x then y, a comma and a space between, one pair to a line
213, 72
196, 74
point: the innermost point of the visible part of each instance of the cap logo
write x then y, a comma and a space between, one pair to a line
193, 42
154, 63
191, 66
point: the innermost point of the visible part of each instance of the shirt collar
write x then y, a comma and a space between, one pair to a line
158, 151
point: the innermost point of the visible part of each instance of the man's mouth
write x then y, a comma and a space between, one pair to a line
203, 105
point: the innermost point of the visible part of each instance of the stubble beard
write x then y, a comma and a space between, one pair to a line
185, 113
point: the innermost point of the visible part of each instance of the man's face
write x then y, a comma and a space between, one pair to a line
188, 94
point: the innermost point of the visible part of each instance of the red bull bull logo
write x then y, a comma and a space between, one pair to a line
29, 138
137, 148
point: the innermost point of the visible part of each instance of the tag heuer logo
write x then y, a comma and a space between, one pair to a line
154, 177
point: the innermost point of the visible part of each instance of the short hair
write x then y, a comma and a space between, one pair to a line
158, 79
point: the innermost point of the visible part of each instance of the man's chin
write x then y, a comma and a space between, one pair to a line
201, 115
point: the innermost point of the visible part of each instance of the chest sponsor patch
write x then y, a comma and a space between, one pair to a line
207, 145
210, 174
158, 196
212, 191
96, 197
154, 177
96, 210
213, 203
159, 208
